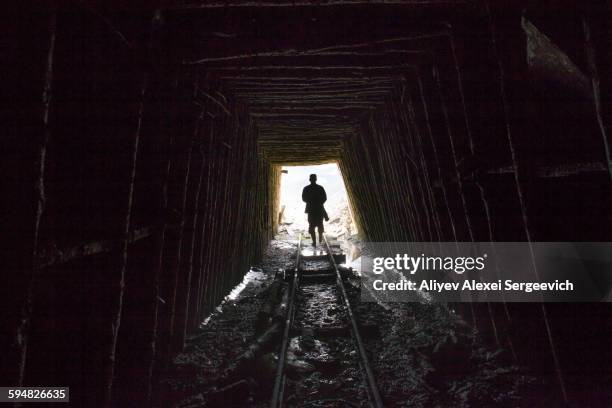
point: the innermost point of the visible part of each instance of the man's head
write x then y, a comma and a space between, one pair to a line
313, 178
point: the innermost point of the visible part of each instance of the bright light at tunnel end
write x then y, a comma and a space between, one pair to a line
294, 178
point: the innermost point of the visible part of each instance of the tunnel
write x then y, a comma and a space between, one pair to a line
145, 143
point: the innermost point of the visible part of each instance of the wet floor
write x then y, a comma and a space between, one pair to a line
319, 307
324, 352
422, 355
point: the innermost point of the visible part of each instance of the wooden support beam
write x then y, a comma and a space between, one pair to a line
330, 57
92, 248
308, 81
194, 6
26, 178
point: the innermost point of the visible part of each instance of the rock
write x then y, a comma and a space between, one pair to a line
298, 368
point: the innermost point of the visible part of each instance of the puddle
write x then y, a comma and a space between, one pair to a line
315, 265
310, 251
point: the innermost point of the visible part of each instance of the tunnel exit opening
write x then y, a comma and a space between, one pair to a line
291, 216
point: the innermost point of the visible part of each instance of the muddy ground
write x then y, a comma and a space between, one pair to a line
423, 355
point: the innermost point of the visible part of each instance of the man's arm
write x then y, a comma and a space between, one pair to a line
324, 195
304, 197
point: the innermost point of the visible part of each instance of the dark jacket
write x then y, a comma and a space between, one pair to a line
314, 196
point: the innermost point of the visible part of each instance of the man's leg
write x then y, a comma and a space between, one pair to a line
313, 236
321, 231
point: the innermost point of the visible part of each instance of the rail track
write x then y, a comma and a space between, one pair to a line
317, 288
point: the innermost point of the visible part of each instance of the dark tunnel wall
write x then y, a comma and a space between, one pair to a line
150, 183
142, 189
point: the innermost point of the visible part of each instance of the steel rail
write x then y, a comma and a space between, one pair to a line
279, 379
375, 394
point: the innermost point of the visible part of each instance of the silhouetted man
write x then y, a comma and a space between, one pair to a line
314, 196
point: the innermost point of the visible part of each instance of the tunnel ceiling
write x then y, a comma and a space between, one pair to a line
331, 68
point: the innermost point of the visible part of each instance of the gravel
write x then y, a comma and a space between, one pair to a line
422, 354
